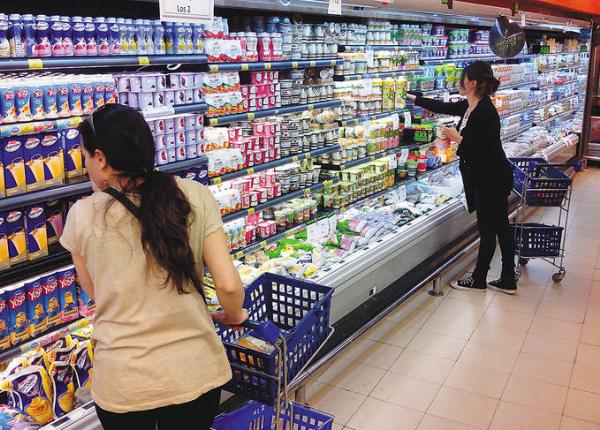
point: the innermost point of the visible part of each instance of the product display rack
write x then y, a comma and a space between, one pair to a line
377, 266
275, 163
278, 200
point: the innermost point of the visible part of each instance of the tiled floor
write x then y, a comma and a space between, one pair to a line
473, 360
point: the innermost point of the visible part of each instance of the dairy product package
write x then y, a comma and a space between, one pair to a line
71, 144
14, 165
18, 321
63, 379
4, 322
54, 163
67, 290
17, 237
54, 221
35, 227
36, 312
51, 299
31, 392
4, 255
33, 156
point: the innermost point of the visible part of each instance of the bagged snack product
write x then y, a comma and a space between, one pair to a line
63, 384
31, 392
84, 358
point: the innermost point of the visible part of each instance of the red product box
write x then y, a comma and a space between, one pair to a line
258, 128
245, 201
250, 233
259, 156
249, 159
245, 90
259, 104
252, 220
234, 133
262, 194
276, 190
258, 77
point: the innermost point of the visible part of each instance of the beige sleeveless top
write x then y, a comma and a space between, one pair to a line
153, 347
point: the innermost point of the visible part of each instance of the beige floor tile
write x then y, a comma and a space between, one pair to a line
423, 301
422, 366
543, 369
510, 339
437, 344
461, 328
551, 347
488, 357
516, 417
586, 378
562, 311
555, 327
516, 303
353, 376
535, 394
503, 318
536, 272
583, 405
408, 315
395, 334
342, 404
463, 407
573, 282
477, 380
337, 427
373, 353
461, 309
592, 319
405, 391
375, 414
467, 296
569, 423
429, 422
563, 294
590, 334
588, 355
530, 289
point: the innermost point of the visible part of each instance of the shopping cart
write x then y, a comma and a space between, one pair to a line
541, 184
292, 316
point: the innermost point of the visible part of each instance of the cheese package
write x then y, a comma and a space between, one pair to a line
37, 237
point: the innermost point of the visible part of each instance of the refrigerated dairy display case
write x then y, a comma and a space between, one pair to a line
319, 166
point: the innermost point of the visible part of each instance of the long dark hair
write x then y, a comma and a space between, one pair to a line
124, 137
481, 72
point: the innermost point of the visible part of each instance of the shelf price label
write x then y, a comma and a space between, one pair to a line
335, 7
35, 63
193, 11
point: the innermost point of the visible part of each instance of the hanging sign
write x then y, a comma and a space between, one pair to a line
335, 7
507, 38
193, 11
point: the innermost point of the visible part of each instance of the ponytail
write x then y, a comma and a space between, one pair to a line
482, 72
124, 137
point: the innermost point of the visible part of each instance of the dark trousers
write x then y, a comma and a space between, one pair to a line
195, 415
492, 222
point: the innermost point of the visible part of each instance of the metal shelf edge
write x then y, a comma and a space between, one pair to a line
275, 65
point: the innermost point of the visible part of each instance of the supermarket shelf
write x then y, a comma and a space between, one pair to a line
378, 75
516, 133
516, 85
545, 87
518, 111
23, 128
558, 69
274, 65
278, 200
359, 48
253, 247
45, 338
191, 108
358, 162
560, 115
475, 58
57, 257
108, 61
249, 116
81, 187
275, 163
81, 418
359, 119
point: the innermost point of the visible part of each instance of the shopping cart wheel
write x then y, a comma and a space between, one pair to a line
523, 261
557, 277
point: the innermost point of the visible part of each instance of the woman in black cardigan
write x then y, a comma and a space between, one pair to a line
486, 172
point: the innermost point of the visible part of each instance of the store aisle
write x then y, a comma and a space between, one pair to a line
474, 360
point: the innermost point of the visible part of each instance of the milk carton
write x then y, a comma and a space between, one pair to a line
54, 221
34, 162
14, 166
35, 227
36, 312
54, 163
4, 255
4, 322
17, 237
51, 299
67, 290
71, 144
17, 307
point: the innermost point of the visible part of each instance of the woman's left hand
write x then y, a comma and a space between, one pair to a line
452, 134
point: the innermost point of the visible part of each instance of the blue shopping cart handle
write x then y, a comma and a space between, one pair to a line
265, 330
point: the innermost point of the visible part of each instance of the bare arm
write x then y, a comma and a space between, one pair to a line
228, 284
85, 281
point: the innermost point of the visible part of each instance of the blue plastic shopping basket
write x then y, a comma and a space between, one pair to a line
541, 183
256, 416
300, 310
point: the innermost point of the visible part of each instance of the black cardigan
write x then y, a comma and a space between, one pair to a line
483, 163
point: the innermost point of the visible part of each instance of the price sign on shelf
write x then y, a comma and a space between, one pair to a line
335, 7
193, 11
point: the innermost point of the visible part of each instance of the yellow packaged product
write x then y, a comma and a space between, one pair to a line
30, 390
84, 359
62, 374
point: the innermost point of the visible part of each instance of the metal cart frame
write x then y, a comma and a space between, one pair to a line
520, 225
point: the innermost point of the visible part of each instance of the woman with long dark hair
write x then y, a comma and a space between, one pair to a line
486, 172
139, 245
